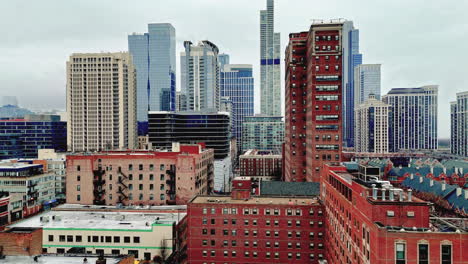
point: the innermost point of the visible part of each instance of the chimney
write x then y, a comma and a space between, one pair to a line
456, 170
383, 194
412, 176
445, 171
400, 195
392, 197
459, 191
432, 170
461, 171
374, 192
410, 195
443, 185
466, 194
421, 179
431, 183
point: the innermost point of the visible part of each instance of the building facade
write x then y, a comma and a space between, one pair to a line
200, 76
350, 59
211, 128
314, 93
366, 81
414, 117
260, 165
140, 177
254, 229
23, 138
101, 102
459, 125
154, 57
372, 130
370, 221
270, 69
262, 132
237, 83
144, 233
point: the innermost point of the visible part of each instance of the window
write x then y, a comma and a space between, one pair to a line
151, 167
126, 239
234, 253
140, 177
400, 252
423, 254
96, 239
225, 222
62, 238
130, 167
213, 211
213, 253
226, 232
233, 243
108, 239
213, 221
268, 244
136, 239
205, 253
116, 239
161, 167
140, 187
204, 231
276, 233
446, 254
78, 178
51, 238
204, 210
78, 197
213, 231
204, 242
225, 211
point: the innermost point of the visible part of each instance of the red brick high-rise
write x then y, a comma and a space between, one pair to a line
313, 101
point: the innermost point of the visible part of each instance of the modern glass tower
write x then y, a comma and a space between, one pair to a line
414, 121
237, 83
366, 82
200, 76
351, 58
262, 132
155, 62
459, 125
270, 71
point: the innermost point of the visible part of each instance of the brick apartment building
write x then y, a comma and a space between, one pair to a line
314, 69
260, 165
370, 221
140, 177
242, 228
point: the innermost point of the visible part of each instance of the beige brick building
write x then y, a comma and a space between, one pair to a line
101, 102
140, 177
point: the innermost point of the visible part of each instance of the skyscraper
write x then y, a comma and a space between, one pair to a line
414, 117
262, 132
101, 101
237, 83
314, 90
154, 58
270, 71
200, 76
372, 128
366, 82
459, 125
351, 58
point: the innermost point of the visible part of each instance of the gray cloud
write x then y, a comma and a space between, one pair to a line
418, 42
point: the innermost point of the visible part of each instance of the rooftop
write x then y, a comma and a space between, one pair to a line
81, 207
99, 220
289, 188
274, 200
55, 260
256, 152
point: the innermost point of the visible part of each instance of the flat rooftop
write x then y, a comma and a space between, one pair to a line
276, 200
81, 207
54, 260
18, 165
100, 220
265, 153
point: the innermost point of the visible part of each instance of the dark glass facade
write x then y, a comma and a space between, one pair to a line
22, 138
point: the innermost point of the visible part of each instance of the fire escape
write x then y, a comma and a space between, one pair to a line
98, 184
123, 187
210, 177
171, 182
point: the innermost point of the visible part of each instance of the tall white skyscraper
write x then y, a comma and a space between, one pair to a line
200, 76
101, 102
154, 56
366, 82
414, 117
372, 126
459, 125
270, 70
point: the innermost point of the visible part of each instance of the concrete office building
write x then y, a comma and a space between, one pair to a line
143, 233
270, 70
262, 132
101, 102
414, 117
154, 57
200, 76
459, 125
237, 83
23, 138
140, 177
372, 131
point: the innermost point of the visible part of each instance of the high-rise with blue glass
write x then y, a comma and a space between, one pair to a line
270, 71
237, 83
351, 59
154, 57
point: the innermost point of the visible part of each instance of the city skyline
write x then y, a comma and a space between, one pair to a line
96, 34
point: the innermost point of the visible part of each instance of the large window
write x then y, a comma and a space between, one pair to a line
400, 252
423, 254
446, 254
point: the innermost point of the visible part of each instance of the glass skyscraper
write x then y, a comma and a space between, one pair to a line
351, 59
459, 125
366, 82
270, 71
237, 83
155, 62
414, 118
262, 132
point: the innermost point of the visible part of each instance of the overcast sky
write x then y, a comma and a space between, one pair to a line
418, 42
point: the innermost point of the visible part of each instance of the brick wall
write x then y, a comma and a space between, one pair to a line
21, 244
